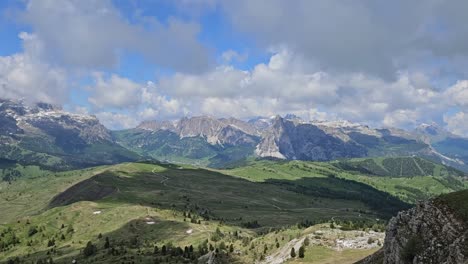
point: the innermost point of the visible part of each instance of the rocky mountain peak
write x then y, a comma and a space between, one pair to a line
432, 129
432, 132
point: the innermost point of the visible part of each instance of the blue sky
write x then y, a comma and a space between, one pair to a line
127, 61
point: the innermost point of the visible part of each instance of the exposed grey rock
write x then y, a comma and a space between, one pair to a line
216, 131
290, 139
428, 233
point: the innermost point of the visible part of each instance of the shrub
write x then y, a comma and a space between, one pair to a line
89, 250
32, 231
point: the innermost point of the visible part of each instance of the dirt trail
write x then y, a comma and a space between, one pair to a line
165, 178
284, 253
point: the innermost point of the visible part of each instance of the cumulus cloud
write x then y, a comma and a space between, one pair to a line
115, 120
93, 34
286, 84
357, 37
458, 93
329, 60
114, 92
134, 102
25, 76
457, 123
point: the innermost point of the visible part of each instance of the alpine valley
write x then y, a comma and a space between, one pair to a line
201, 189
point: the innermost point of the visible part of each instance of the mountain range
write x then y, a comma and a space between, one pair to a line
226, 141
48, 136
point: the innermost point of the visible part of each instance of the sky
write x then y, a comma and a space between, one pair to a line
382, 63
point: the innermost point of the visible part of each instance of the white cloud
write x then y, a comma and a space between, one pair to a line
93, 34
458, 93
114, 92
232, 55
457, 123
25, 76
329, 60
362, 36
287, 84
117, 120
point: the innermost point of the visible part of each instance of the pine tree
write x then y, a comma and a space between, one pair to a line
164, 250
89, 250
107, 244
301, 252
51, 243
277, 245
231, 248
156, 250
293, 253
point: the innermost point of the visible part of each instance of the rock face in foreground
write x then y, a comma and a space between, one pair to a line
432, 232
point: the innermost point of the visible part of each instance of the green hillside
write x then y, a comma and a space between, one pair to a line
45, 154
176, 199
409, 189
168, 146
259, 208
398, 167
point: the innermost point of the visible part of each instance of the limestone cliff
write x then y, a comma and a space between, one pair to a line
435, 231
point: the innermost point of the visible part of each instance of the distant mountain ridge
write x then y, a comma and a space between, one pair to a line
286, 137
47, 136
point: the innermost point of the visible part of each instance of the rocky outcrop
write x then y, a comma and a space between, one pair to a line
291, 139
429, 233
221, 131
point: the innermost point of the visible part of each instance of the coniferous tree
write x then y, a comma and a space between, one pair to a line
89, 250
107, 243
231, 248
51, 243
293, 253
301, 252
